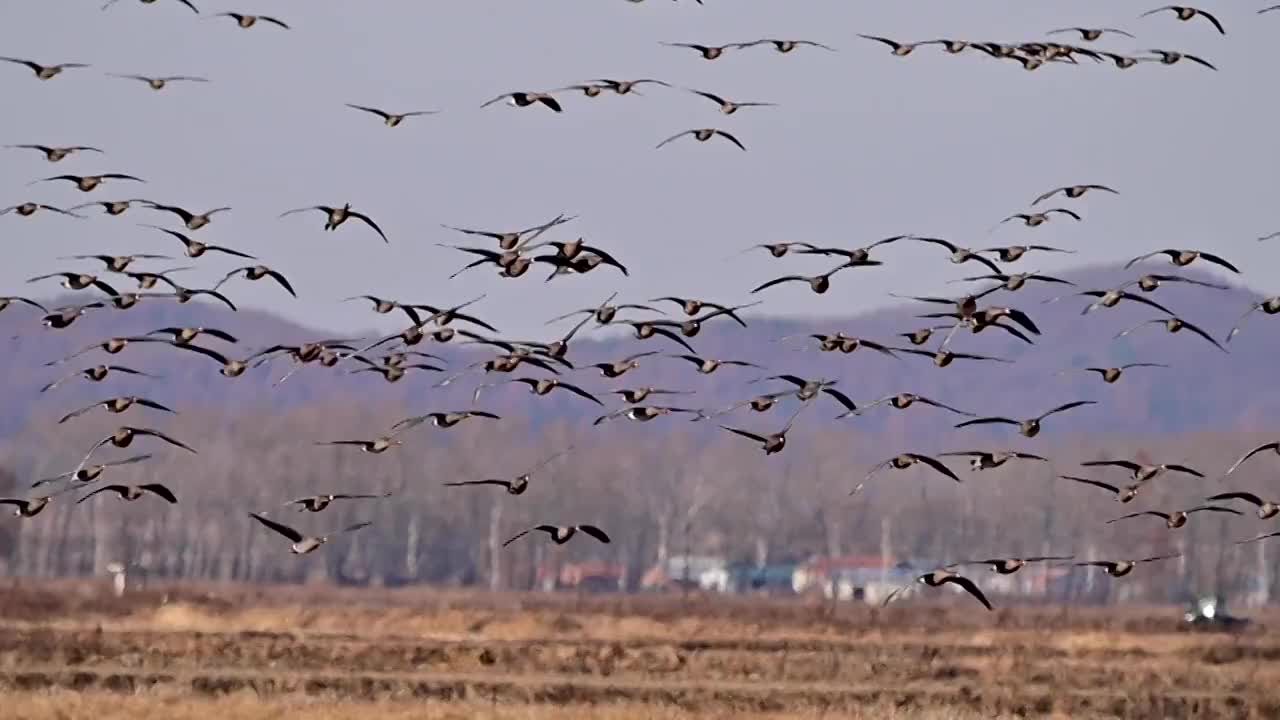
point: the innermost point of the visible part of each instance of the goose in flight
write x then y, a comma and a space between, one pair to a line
513, 239
1120, 568
1091, 34
517, 485
56, 153
442, 419
1112, 374
902, 401
1266, 508
618, 368
1274, 446
786, 46
904, 461
943, 357
7, 300
194, 248
1073, 192
603, 313
117, 406
1172, 57
1009, 566
392, 119
1185, 13
1014, 253
129, 493
302, 544
44, 72
644, 413
958, 254
27, 209
89, 473
1143, 473
88, 183
544, 386
729, 107
158, 83
192, 220
703, 135
561, 535
708, 52
1270, 306
938, 578
899, 49
1176, 518
772, 442
317, 503
61, 318
1124, 495
247, 21
633, 396
1153, 281
124, 436
1036, 219
258, 272
1016, 281
1183, 258
27, 507
336, 216
526, 98
819, 284
624, 87
77, 281
1173, 325
117, 263
1111, 298
1030, 427
187, 3
113, 208
991, 459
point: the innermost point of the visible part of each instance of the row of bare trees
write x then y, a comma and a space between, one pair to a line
658, 488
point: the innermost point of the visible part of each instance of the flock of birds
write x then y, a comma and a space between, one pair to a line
541, 364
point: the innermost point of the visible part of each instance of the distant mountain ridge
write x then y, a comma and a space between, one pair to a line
1203, 388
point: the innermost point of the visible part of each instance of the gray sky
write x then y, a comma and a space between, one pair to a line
863, 144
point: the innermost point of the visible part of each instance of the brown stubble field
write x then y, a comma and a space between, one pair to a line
72, 651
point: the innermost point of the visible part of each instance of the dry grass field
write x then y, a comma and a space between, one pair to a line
72, 651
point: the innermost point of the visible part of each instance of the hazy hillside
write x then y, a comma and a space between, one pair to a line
1203, 389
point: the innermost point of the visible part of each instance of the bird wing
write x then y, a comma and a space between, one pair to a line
517, 536
160, 491
1214, 508
161, 436
281, 528
1265, 446
970, 587
841, 398
1153, 513
580, 392
988, 421
1219, 261
380, 113
229, 251
503, 483
1145, 301
1095, 483
221, 359
1126, 464
1184, 469
673, 137
937, 404
77, 413
153, 405
731, 139
1237, 495
1211, 19
595, 532
778, 281
745, 434
1068, 406
936, 465
369, 221
117, 489
1203, 334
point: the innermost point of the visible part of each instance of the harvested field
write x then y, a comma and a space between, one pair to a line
71, 652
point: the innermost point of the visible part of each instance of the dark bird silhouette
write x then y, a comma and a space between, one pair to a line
1141, 472
116, 406
89, 473
1120, 568
195, 248
904, 461
1186, 12
524, 98
302, 544
1266, 508
56, 153
1174, 325
703, 135
938, 578
392, 119
561, 535
44, 72
88, 183
248, 21
317, 503
1072, 192
258, 272
336, 216
1030, 427
1123, 495
130, 493
1183, 258
729, 107
517, 485
1112, 374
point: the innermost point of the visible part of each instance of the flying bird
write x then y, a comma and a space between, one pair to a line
161, 82
729, 107
1030, 427
703, 135
116, 406
1037, 219
392, 119
517, 485
1186, 12
55, 154
1090, 34
904, 461
938, 578
1123, 495
187, 3
1073, 192
258, 272
44, 72
1120, 568
336, 216
772, 442
527, 98
89, 473
1144, 473
958, 254
1172, 57
708, 52
87, 183
1275, 446
248, 21
28, 209
991, 459
900, 49
193, 221
1173, 324
130, 493
1266, 508
786, 46
1009, 566
317, 503
302, 544
1183, 258
1111, 374
561, 535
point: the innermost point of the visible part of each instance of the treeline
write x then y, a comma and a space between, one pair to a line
658, 489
